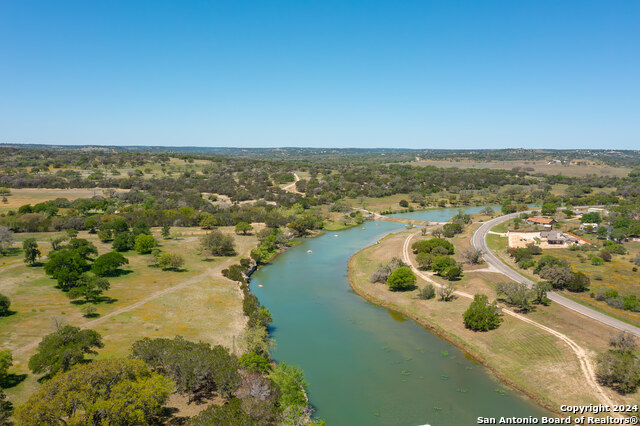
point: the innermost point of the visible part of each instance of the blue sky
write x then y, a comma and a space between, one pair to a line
411, 74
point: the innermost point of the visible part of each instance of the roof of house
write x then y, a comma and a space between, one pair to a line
543, 220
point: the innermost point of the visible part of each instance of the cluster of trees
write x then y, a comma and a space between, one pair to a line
521, 296
554, 271
435, 255
619, 367
396, 274
614, 299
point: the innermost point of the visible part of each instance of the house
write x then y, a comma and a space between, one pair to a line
544, 221
558, 237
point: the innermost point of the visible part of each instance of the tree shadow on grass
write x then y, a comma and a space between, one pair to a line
36, 264
121, 272
8, 313
168, 416
12, 380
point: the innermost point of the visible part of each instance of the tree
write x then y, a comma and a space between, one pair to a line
6, 239
6, 361
404, 203
243, 227
290, 381
6, 410
452, 273
89, 287
446, 292
64, 348
482, 315
540, 290
107, 392
83, 247
124, 241
193, 366
619, 368
473, 256
165, 232
549, 209
449, 230
170, 261
145, 243
592, 217
31, 250
429, 246
5, 304
106, 265
401, 279
515, 294
66, 266
218, 244
442, 263
580, 282
252, 361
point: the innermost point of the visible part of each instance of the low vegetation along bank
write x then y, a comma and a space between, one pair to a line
518, 353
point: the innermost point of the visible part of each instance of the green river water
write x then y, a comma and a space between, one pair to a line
366, 365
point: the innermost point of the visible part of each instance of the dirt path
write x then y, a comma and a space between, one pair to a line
583, 356
211, 272
292, 186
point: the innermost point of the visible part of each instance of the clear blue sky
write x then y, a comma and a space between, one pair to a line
414, 74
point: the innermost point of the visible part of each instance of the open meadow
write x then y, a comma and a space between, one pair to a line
196, 302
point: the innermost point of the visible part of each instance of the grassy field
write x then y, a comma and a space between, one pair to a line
539, 166
519, 353
199, 303
32, 196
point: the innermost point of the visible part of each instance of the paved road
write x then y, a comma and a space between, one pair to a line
479, 242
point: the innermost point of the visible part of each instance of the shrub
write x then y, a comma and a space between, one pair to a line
5, 304
597, 261
427, 292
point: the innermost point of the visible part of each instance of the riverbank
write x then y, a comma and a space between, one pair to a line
518, 354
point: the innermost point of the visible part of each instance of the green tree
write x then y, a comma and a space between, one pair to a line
145, 243
452, 273
593, 217
6, 410
107, 265
218, 244
619, 368
252, 361
5, 304
549, 209
482, 315
31, 250
6, 361
66, 266
515, 294
124, 241
165, 232
64, 348
290, 381
442, 263
168, 261
427, 292
89, 287
103, 392
401, 279
243, 228
540, 290
83, 247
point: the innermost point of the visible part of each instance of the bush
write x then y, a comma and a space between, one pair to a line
124, 241
452, 273
401, 279
482, 315
218, 244
5, 304
170, 261
427, 292
606, 256
597, 261
145, 243
252, 361
427, 246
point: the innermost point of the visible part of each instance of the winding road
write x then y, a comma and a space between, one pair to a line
480, 243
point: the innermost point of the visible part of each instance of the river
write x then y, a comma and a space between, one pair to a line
367, 365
